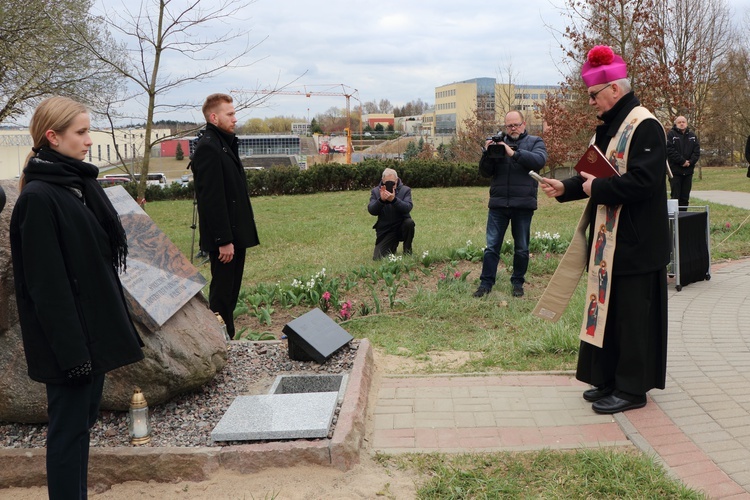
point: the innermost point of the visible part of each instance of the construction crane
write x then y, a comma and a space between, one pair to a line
346, 91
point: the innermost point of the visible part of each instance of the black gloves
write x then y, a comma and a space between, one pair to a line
79, 375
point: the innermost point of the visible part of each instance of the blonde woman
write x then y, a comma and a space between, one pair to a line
68, 247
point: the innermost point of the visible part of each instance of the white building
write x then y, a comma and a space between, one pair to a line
301, 128
15, 145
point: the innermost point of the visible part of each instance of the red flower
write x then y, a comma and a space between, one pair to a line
600, 55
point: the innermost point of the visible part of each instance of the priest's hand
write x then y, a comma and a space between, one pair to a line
552, 187
588, 181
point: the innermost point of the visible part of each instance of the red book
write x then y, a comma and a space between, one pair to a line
593, 162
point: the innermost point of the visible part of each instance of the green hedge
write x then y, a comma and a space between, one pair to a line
364, 175
174, 191
283, 180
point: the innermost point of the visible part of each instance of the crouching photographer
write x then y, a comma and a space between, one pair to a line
507, 160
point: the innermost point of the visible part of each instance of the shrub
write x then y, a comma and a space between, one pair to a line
287, 180
280, 180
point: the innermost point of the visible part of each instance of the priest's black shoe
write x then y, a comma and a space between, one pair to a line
597, 393
613, 404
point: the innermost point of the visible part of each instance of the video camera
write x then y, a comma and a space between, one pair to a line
497, 150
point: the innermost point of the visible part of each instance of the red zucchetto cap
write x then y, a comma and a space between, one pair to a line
603, 66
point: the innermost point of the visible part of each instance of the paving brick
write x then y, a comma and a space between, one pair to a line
403, 421
382, 421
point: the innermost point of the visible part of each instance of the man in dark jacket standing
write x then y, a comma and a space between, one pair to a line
227, 226
683, 152
512, 198
391, 202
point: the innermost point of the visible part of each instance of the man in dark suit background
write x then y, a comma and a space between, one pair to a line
225, 215
683, 152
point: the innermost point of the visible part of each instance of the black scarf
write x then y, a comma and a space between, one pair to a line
50, 166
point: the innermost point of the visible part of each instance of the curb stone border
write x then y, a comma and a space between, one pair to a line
25, 467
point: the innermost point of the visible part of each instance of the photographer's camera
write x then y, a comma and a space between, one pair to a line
496, 150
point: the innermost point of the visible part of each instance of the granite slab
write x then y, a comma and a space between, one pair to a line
277, 416
314, 337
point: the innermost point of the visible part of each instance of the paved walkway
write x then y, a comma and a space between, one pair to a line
698, 427
732, 198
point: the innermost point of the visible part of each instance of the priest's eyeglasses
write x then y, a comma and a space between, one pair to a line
592, 95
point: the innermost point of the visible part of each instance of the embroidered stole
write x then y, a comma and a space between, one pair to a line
561, 287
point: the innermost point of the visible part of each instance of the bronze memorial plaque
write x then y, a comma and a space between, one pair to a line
159, 279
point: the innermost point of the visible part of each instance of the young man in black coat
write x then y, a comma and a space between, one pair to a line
225, 216
391, 202
683, 152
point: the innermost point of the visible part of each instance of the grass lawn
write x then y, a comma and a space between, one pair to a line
418, 311
421, 304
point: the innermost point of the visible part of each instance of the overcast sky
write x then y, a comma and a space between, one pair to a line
386, 49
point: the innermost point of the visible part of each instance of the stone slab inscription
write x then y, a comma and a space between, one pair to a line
159, 279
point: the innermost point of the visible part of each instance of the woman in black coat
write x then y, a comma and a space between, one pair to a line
68, 246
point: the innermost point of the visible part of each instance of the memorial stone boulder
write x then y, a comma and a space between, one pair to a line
184, 344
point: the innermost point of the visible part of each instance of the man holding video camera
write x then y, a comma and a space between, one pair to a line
507, 159
391, 202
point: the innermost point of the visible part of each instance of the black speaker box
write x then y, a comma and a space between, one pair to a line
314, 337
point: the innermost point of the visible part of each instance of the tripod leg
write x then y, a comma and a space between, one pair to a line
193, 226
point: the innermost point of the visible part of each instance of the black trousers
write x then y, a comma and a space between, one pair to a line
386, 243
72, 413
633, 358
681, 186
226, 281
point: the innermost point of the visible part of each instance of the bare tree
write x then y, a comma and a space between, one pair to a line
36, 62
370, 107
385, 106
508, 80
332, 120
725, 132
630, 27
471, 136
415, 107
168, 48
697, 35
568, 124
673, 52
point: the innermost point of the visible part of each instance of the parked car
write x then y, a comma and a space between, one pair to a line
112, 181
